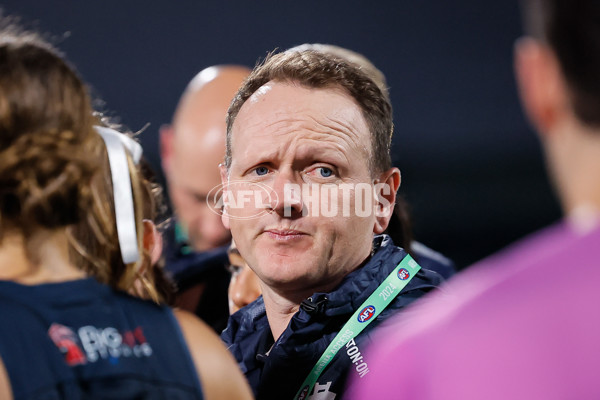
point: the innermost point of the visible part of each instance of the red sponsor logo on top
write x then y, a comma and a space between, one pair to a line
89, 344
66, 341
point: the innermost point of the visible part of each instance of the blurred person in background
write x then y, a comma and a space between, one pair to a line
191, 150
524, 323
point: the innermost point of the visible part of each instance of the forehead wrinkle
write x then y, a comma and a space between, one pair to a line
341, 127
308, 139
325, 127
347, 132
315, 131
252, 124
332, 128
261, 154
333, 149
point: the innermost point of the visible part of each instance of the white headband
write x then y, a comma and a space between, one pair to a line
116, 143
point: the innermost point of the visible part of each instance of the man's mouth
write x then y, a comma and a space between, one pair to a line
284, 234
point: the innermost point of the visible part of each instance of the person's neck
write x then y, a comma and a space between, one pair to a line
575, 164
281, 305
584, 218
279, 311
46, 261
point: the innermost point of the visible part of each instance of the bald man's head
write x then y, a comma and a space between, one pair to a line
193, 147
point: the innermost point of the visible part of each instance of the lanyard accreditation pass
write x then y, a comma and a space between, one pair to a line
366, 313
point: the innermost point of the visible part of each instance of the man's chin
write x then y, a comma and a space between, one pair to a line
287, 276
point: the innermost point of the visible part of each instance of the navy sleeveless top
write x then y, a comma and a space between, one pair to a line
83, 340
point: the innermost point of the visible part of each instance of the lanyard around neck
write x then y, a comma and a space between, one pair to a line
363, 316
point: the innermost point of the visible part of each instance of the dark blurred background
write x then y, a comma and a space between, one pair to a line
472, 170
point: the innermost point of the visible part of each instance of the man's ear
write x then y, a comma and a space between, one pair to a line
385, 198
166, 133
153, 242
541, 87
224, 180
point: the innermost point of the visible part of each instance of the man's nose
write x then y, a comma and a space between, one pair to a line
287, 195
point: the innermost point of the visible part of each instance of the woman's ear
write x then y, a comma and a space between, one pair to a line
153, 242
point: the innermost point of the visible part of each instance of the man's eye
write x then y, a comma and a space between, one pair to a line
261, 171
325, 172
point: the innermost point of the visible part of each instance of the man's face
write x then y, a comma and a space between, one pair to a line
290, 135
192, 173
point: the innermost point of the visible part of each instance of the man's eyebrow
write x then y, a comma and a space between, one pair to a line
324, 153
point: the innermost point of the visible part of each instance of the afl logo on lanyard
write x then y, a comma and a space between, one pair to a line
403, 274
366, 314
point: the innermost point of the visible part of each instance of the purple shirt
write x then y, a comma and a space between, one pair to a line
524, 324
